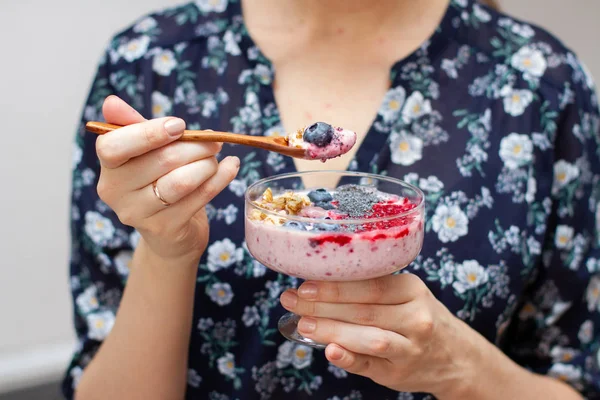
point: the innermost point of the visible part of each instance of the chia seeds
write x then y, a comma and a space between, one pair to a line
356, 201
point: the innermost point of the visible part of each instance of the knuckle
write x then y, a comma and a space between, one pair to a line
230, 173
167, 158
107, 151
152, 135
127, 217
103, 188
181, 185
209, 187
424, 324
212, 166
416, 352
365, 314
336, 331
412, 280
333, 291
308, 308
363, 366
377, 289
381, 344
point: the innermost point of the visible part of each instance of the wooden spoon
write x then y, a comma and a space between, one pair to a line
277, 144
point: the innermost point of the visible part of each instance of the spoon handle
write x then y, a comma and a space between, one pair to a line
276, 144
101, 128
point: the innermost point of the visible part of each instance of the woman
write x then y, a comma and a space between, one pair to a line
494, 119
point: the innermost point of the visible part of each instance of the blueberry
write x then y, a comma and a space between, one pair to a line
295, 225
327, 227
320, 134
319, 195
325, 205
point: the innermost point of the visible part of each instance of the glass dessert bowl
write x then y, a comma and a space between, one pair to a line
367, 226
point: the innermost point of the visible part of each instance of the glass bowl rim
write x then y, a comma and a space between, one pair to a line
355, 221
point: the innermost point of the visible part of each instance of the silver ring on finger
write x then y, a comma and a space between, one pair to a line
158, 195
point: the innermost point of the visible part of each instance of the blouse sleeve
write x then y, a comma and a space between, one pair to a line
101, 246
556, 330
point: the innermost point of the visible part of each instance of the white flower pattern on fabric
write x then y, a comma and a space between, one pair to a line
469, 275
530, 61
207, 6
231, 45
516, 101
161, 105
99, 228
87, 301
450, 223
193, 378
563, 238
226, 365
406, 149
516, 150
222, 254
592, 295
297, 355
100, 324
164, 62
415, 107
221, 293
135, 48
565, 372
238, 187
392, 103
431, 184
276, 131
145, 25
586, 332
123, 262
564, 173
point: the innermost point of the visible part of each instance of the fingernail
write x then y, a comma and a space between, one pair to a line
174, 126
307, 325
308, 290
289, 300
236, 161
335, 353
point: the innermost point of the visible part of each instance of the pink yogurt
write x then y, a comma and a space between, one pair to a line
335, 256
343, 140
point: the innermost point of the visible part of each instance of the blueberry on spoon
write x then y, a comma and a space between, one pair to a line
320, 134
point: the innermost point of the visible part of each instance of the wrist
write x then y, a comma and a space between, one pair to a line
147, 256
483, 366
468, 355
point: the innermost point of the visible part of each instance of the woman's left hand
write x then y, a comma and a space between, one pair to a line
392, 330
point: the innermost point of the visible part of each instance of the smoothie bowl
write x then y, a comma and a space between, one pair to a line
367, 226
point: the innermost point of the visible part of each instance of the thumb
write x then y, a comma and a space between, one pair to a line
116, 111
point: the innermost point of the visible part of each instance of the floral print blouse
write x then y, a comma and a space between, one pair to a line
495, 119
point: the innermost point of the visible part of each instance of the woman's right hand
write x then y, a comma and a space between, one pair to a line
187, 176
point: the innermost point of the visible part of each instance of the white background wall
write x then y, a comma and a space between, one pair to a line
48, 53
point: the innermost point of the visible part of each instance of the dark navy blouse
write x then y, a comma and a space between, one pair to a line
495, 119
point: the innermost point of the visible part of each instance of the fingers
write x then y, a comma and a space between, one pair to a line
137, 206
393, 289
119, 146
145, 169
192, 204
367, 340
117, 111
390, 317
360, 364
177, 184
